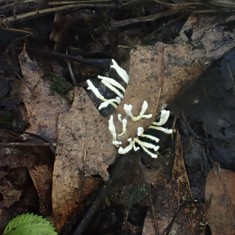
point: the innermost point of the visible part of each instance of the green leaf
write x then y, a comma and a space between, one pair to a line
29, 224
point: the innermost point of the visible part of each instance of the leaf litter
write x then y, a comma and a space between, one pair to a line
76, 163
26, 165
157, 75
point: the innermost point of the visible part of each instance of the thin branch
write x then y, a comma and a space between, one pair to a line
37, 13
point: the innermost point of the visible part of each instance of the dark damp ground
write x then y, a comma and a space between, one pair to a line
205, 112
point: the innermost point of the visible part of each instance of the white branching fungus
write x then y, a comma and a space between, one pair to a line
124, 124
165, 114
152, 155
120, 71
128, 148
128, 110
112, 88
149, 143
163, 129
140, 132
114, 102
143, 110
111, 84
146, 144
94, 90
112, 130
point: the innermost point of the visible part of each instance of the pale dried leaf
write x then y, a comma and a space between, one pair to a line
42, 105
84, 138
210, 41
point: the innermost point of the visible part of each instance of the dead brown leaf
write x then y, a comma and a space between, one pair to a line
41, 176
210, 41
42, 105
220, 191
19, 155
84, 149
9, 193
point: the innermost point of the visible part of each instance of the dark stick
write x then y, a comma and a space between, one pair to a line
101, 63
91, 212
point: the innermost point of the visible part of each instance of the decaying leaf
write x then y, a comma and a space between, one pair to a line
209, 40
220, 193
41, 176
42, 105
9, 193
173, 210
84, 148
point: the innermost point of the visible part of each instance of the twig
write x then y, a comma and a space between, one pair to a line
172, 9
91, 212
155, 223
25, 144
53, 3
37, 13
141, 19
71, 71
101, 63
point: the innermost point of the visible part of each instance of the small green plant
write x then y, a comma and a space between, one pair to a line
29, 224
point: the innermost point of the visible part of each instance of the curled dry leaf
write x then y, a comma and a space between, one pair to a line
42, 105
41, 176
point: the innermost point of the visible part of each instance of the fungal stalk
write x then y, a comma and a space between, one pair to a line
148, 143
120, 71
128, 110
112, 85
